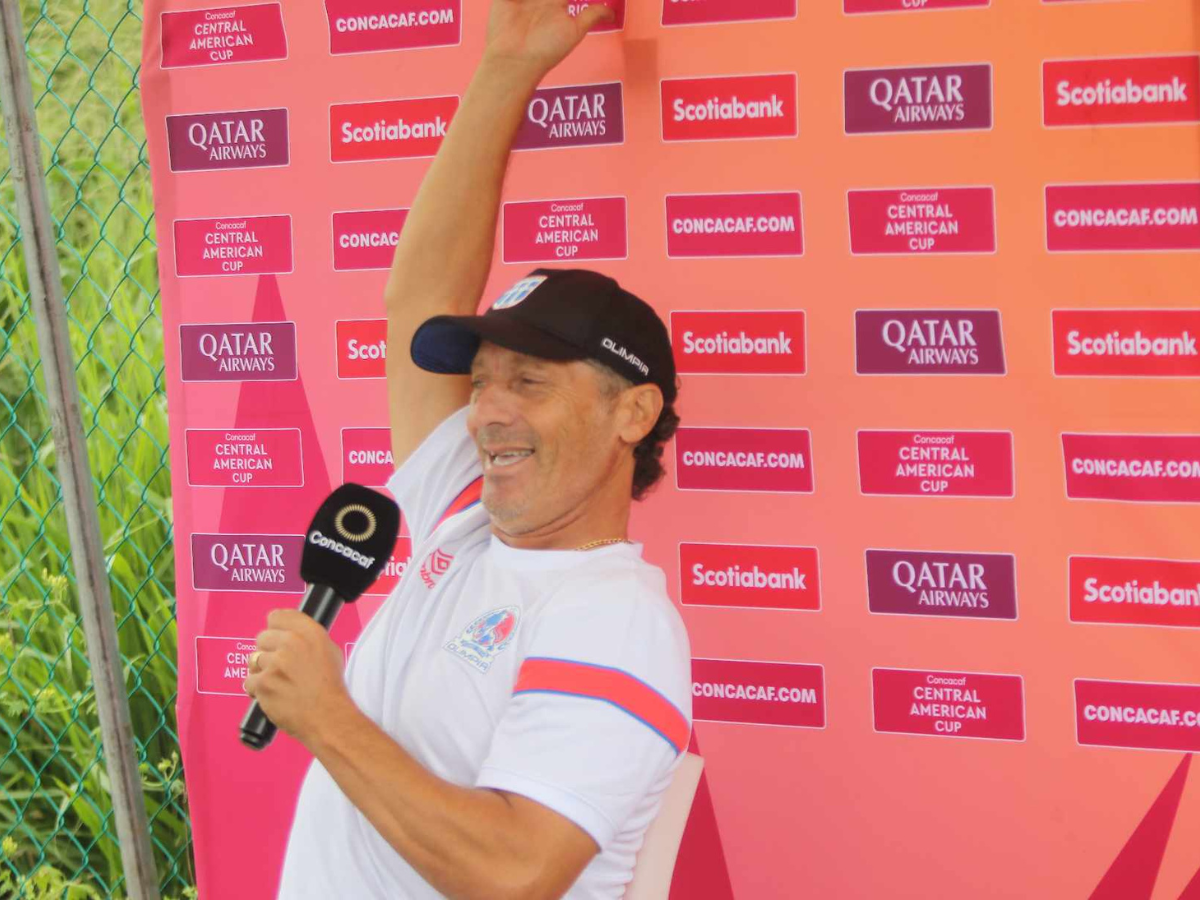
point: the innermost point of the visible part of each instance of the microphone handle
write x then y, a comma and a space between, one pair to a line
322, 603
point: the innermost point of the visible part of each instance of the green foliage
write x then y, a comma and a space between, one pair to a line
57, 833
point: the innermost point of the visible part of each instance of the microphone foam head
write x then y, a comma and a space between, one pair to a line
350, 539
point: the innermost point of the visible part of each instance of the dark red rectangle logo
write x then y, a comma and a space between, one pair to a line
247, 562
223, 35
936, 463
928, 342
949, 704
744, 459
578, 115
758, 693
369, 26
729, 107
254, 245
717, 225
1147, 468
238, 351
1113, 590
703, 12
1137, 715
1121, 91
247, 457
366, 239
922, 220
1127, 342
565, 230
882, 6
367, 456
238, 139
1083, 218
389, 129
941, 583
361, 348
749, 577
738, 342
925, 98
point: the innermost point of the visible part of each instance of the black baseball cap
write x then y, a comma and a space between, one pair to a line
558, 314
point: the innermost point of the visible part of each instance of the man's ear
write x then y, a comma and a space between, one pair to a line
640, 408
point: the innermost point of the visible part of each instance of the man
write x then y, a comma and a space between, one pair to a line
511, 716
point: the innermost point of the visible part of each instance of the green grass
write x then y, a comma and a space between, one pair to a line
57, 835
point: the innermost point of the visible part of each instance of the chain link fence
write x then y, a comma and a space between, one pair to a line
57, 834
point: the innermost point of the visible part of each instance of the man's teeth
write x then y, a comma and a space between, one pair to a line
509, 458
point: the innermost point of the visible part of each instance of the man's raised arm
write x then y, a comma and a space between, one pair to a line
445, 249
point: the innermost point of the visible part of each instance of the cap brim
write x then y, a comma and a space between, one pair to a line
447, 344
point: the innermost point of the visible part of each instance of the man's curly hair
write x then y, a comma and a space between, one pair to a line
648, 468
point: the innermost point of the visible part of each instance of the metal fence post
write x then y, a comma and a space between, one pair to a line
74, 470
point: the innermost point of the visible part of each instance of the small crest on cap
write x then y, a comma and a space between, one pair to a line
518, 292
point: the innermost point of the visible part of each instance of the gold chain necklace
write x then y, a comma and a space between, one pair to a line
591, 545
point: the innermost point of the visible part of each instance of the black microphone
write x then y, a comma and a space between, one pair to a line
346, 547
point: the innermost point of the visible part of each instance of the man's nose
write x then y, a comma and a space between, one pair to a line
491, 405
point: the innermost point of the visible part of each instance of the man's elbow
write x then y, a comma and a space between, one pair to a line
516, 880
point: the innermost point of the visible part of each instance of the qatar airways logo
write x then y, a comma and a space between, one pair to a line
940, 583
247, 562
247, 139
389, 129
574, 116
738, 342
1127, 342
1111, 590
931, 98
733, 107
928, 342
1121, 91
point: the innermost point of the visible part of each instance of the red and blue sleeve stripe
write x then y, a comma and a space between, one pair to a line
468, 497
540, 674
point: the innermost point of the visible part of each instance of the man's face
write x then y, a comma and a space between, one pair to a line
546, 433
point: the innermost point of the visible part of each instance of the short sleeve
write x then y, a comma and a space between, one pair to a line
442, 473
601, 710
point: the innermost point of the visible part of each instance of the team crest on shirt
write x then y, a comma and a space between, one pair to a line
485, 637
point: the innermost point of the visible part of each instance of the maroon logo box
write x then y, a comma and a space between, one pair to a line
1121, 91
703, 12
791, 695
749, 577
732, 107
936, 463
725, 225
367, 456
949, 704
366, 239
248, 245
923, 98
371, 26
922, 220
238, 351
1091, 218
579, 115
942, 583
1126, 343
1137, 715
268, 563
928, 342
223, 35
361, 348
247, 457
738, 342
851, 7
237, 139
564, 230
411, 128
744, 459
1113, 590
1145, 468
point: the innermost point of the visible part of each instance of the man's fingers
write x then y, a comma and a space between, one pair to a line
270, 639
594, 14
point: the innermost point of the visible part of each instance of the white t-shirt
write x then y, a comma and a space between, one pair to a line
560, 675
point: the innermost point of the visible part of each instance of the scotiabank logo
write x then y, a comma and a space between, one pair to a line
929, 98
691, 12
361, 348
366, 239
1127, 342
928, 342
581, 115
742, 342
569, 229
239, 139
922, 220
723, 108
223, 36
367, 26
939, 583
1122, 91
758, 693
949, 704
711, 225
744, 459
394, 568
1113, 590
1146, 468
254, 245
749, 577
1137, 715
1100, 217
936, 463
367, 456
389, 129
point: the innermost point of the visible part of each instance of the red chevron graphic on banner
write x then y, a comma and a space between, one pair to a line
700, 869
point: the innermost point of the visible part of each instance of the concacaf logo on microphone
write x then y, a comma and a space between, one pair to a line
730, 107
1121, 91
927, 98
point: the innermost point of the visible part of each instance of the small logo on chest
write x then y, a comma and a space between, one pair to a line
485, 637
435, 566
